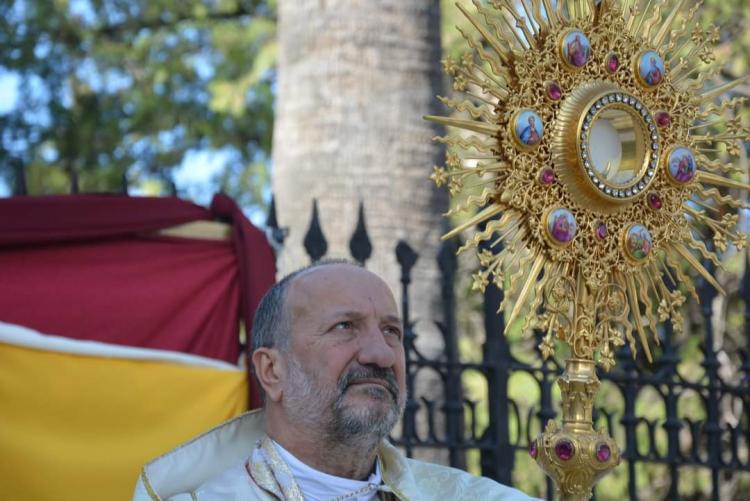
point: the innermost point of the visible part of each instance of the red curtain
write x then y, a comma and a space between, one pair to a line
87, 266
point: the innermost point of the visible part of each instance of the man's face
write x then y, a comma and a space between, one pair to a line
346, 356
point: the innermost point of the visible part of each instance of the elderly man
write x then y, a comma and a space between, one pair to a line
328, 352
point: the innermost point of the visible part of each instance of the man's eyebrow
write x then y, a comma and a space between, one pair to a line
393, 318
338, 315
353, 314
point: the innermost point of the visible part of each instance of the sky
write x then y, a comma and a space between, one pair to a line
192, 177
8, 98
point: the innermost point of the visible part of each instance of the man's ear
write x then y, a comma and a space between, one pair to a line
270, 369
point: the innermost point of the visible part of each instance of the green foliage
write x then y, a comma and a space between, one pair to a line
733, 19
113, 88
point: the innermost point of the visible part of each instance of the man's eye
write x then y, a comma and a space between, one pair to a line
393, 331
345, 325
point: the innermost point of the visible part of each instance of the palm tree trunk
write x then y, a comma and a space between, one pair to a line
355, 79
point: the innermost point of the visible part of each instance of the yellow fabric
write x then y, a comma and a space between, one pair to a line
79, 428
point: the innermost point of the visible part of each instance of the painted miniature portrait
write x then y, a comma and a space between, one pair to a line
528, 128
638, 242
576, 49
651, 68
561, 225
681, 165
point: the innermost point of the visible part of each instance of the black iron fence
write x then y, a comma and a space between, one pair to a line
683, 421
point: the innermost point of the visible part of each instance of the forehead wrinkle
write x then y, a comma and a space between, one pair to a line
304, 288
296, 301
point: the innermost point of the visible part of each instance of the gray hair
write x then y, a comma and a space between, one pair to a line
272, 324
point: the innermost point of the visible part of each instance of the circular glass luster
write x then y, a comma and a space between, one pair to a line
528, 128
533, 450
546, 176
601, 230
561, 226
654, 201
638, 242
619, 145
663, 119
681, 165
613, 62
554, 91
603, 453
564, 449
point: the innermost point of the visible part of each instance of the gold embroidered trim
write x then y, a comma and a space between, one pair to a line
291, 492
150, 490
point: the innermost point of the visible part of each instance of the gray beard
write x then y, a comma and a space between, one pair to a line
325, 409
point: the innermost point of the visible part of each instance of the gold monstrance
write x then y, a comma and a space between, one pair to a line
592, 129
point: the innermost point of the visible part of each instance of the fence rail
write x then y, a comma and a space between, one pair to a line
717, 441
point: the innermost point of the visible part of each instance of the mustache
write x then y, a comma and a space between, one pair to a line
370, 372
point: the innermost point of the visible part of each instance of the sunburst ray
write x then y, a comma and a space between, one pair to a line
534, 83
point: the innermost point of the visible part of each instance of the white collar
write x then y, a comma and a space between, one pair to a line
319, 486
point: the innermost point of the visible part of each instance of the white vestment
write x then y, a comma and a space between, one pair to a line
236, 461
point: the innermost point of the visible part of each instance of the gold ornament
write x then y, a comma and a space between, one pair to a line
589, 126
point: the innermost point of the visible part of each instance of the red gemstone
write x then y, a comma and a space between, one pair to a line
564, 449
663, 119
533, 451
601, 231
547, 176
603, 453
613, 63
654, 201
554, 91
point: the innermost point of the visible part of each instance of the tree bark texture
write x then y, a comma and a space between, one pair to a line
355, 79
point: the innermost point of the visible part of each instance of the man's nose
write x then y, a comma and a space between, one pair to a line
373, 349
